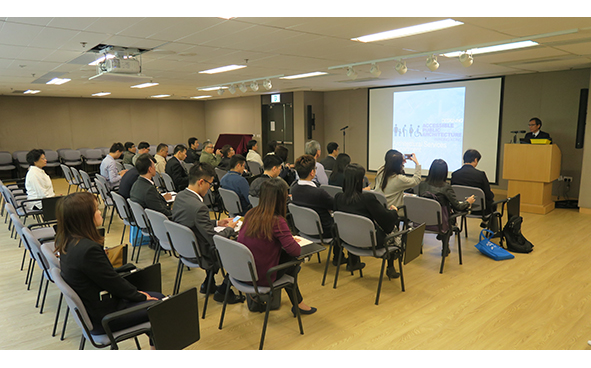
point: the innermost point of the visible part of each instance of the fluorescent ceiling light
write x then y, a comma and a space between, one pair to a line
99, 94
199, 97
160, 96
222, 69
503, 47
306, 75
409, 31
211, 88
144, 85
58, 81
101, 59
31, 91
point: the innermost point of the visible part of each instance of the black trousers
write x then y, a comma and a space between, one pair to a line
291, 271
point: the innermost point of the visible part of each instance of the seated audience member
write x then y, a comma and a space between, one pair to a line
189, 210
175, 167
234, 181
266, 234
436, 184
338, 171
109, 166
143, 147
37, 183
227, 153
356, 201
535, 124
208, 156
192, 154
272, 168
391, 180
130, 151
469, 176
333, 151
87, 270
127, 182
312, 148
144, 191
287, 173
271, 147
306, 194
160, 156
253, 154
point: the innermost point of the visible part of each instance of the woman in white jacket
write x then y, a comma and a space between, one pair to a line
37, 183
392, 181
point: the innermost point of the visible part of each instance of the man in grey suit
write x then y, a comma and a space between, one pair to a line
143, 190
189, 210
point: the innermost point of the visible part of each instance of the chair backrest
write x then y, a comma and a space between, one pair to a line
168, 183
235, 258
332, 189
122, 207
158, 181
255, 168
182, 240
104, 150
380, 196
51, 155
328, 173
306, 220
138, 214
20, 156
83, 151
128, 166
231, 201
77, 177
157, 223
102, 179
253, 200
103, 192
48, 250
152, 150
170, 149
94, 154
419, 210
220, 173
358, 231
35, 249
85, 179
68, 174
71, 155
5, 158
463, 192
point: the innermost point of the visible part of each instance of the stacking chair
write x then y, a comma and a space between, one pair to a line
20, 206
48, 250
6, 162
153, 149
93, 157
159, 182
35, 248
77, 178
220, 173
104, 151
332, 189
71, 158
109, 338
88, 185
231, 201
168, 183
380, 196
240, 266
253, 200
18, 227
429, 211
53, 159
156, 221
103, 180
20, 157
357, 234
328, 173
128, 166
124, 212
254, 167
183, 241
69, 177
143, 224
309, 226
107, 201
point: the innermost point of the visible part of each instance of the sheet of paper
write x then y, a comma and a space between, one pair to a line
301, 241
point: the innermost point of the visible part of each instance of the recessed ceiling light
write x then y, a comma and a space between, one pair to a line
211, 88
409, 31
484, 50
160, 96
144, 85
101, 59
99, 94
222, 69
58, 81
31, 91
199, 97
306, 75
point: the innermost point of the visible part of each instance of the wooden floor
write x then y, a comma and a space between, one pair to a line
537, 301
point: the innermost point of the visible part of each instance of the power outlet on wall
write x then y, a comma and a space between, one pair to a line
566, 179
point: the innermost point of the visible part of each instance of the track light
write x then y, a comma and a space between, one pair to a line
254, 86
243, 88
432, 63
267, 84
232, 89
401, 67
220, 91
351, 72
375, 70
466, 59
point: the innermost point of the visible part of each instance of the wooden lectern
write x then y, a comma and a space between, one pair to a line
531, 169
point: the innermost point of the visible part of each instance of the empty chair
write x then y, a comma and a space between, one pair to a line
77, 178
124, 212
231, 201
170, 150
69, 177
152, 150
103, 180
6, 161
220, 173
53, 159
104, 150
83, 151
71, 157
143, 224
332, 189
107, 201
156, 220
35, 249
88, 184
479, 204
128, 166
20, 157
93, 157
158, 181
254, 167
48, 250
168, 183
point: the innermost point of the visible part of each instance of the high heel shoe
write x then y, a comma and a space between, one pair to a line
391, 273
311, 311
355, 267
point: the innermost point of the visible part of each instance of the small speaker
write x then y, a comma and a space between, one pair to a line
582, 118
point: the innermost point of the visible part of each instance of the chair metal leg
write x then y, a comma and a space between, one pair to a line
31, 275
39, 292
297, 308
82, 341
137, 343
65, 324
111, 221
44, 295
209, 273
24, 257
57, 315
444, 251
224, 307
459, 247
177, 281
401, 274
336, 275
122, 235
380, 281
327, 261
465, 221
266, 321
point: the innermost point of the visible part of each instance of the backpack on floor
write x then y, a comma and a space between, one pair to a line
516, 242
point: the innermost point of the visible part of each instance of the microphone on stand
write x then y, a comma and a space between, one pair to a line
343, 128
517, 131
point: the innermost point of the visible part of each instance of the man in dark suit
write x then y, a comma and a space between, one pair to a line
235, 182
175, 167
127, 182
189, 210
535, 125
192, 154
333, 151
143, 190
469, 176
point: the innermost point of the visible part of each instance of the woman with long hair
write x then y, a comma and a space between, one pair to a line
338, 171
266, 233
437, 185
392, 180
355, 200
85, 267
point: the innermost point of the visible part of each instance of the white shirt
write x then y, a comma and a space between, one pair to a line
38, 185
254, 156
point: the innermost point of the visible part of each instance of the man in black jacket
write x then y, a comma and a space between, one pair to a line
175, 167
469, 176
143, 190
535, 124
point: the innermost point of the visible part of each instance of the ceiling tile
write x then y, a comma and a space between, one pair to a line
74, 23
18, 34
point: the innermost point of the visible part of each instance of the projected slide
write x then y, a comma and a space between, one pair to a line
430, 123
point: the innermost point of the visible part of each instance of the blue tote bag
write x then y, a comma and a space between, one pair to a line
490, 249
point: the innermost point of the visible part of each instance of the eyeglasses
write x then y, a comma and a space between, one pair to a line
210, 184
534, 124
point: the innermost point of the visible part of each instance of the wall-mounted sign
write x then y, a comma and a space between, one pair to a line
275, 98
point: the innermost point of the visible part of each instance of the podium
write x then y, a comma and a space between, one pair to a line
530, 170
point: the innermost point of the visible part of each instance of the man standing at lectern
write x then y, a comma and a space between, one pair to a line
535, 125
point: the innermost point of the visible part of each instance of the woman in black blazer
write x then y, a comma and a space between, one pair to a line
86, 269
355, 200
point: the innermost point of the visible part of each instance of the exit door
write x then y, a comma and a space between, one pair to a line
278, 126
